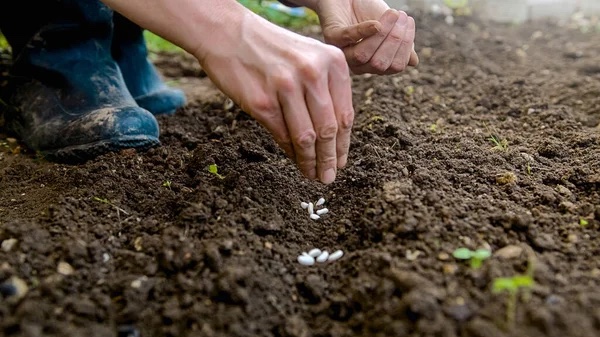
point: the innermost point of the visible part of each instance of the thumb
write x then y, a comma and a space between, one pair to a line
343, 36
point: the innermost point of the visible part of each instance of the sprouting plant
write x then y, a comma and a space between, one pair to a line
528, 168
512, 285
475, 257
106, 201
515, 284
167, 183
212, 168
499, 144
583, 222
102, 200
433, 128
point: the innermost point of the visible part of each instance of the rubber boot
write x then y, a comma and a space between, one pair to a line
143, 80
66, 97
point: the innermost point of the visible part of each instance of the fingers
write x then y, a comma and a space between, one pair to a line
403, 54
321, 109
300, 127
389, 54
340, 87
361, 53
344, 36
414, 59
317, 111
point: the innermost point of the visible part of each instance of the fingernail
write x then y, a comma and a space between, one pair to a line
403, 19
328, 176
342, 161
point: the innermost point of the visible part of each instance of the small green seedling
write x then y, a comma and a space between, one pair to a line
512, 285
499, 144
583, 222
433, 128
119, 209
475, 257
167, 183
212, 168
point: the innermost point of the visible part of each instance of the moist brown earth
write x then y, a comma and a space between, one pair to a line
153, 244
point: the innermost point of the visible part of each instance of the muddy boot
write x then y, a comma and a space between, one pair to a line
66, 97
143, 80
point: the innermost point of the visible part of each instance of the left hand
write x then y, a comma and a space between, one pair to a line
375, 39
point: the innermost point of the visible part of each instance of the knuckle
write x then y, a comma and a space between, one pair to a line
396, 37
361, 56
262, 104
327, 132
284, 81
309, 71
380, 64
327, 161
305, 139
397, 66
346, 120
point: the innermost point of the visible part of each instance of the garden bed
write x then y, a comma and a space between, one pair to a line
492, 142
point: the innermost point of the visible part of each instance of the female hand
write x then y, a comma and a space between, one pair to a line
295, 86
375, 39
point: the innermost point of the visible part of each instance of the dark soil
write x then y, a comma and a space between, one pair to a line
205, 256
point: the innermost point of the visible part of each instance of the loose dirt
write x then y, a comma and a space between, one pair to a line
153, 244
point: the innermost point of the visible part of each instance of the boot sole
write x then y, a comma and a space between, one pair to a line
85, 152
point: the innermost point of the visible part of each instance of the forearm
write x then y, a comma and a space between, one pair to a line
191, 24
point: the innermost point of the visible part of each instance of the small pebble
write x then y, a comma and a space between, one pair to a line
323, 256
14, 287
306, 260
311, 208
105, 257
314, 252
412, 255
335, 255
315, 216
128, 331
322, 211
64, 268
320, 202
228, 104
449, 269
509, 252
304, 205
8, 244
137, 283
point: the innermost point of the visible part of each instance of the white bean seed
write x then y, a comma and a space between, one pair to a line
323, 257
322, 211
306, 260
320, 202
314, 217
335, 255
311, 208
304, 205
314, 252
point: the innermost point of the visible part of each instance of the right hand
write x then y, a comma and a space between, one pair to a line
295, 86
